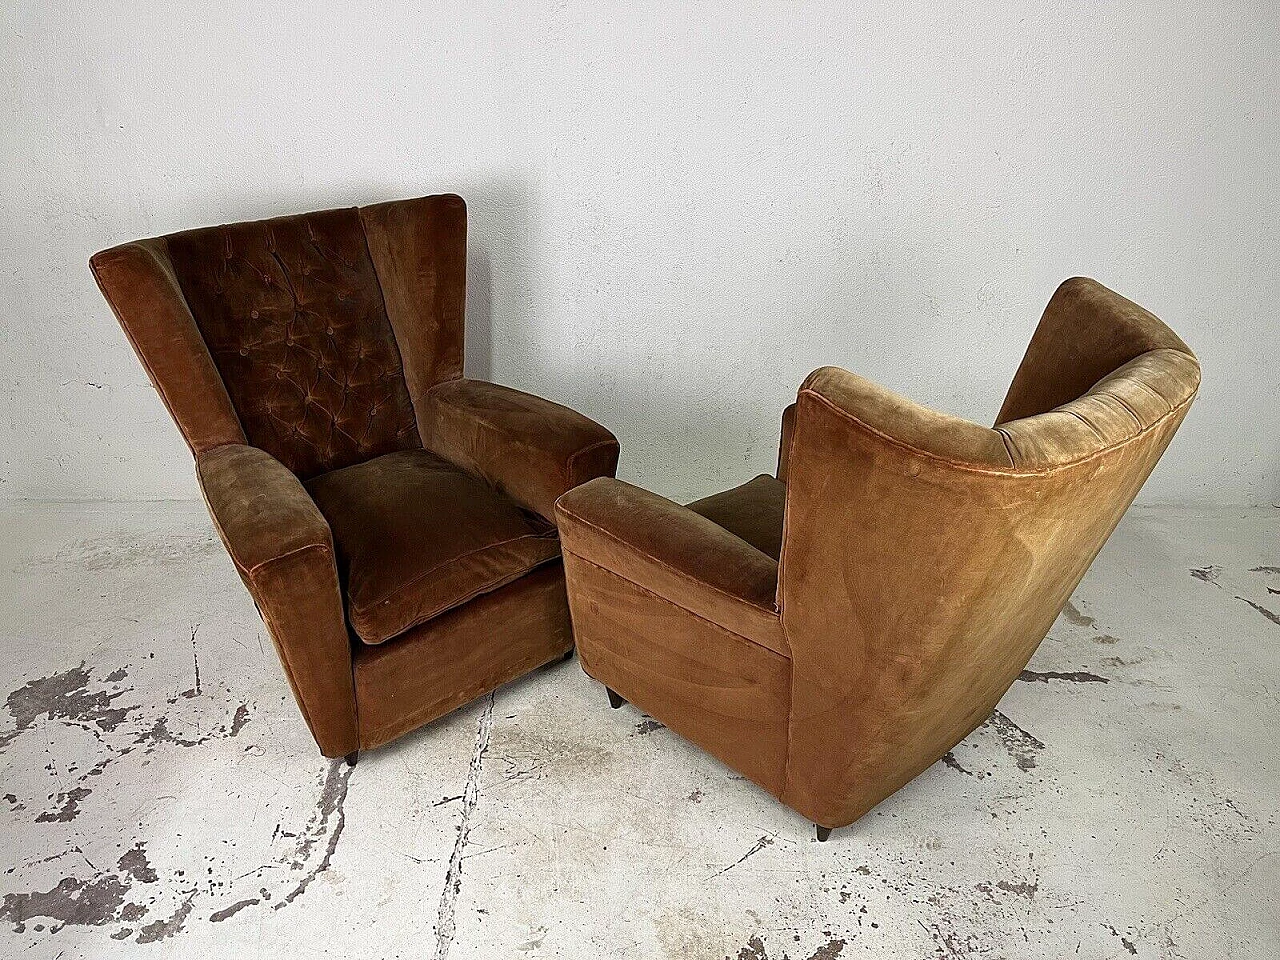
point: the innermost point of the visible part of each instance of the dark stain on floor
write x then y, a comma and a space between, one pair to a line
1124, 941
106, 897
1021, 889
72, 901
74, 698
135, 865
755, 950
227, 912
1020, 745
1208, 574
647, 726
68, 806
1075, 616
1269, 614
1076, 676
66, 697
329, 809
170, 925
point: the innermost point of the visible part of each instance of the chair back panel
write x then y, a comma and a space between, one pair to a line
292, 314
925, 558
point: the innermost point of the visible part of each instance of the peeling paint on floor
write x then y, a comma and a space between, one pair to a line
162, 797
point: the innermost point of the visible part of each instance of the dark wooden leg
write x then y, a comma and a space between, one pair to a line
615, 701
352, 757
568, 656
823, 833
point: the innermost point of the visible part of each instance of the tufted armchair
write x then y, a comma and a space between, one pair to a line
393, 521
832, 632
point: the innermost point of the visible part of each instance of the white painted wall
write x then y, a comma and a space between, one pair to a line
676, 212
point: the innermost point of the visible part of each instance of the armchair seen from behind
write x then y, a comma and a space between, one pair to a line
832, 632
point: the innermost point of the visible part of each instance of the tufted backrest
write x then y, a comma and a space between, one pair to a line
925, 557
310, 336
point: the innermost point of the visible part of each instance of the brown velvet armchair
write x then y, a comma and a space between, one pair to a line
392, 520
833, 632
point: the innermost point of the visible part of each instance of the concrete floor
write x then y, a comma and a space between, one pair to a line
161, 796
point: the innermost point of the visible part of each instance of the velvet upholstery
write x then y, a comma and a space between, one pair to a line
752, 511
283, 550
923, 558
462, 654
417, 535
531, 449
143, 292
291, 313
305, 360
670, 551
419, 251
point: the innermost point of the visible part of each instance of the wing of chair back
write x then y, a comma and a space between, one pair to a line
925, 557
531, 449
1086, 333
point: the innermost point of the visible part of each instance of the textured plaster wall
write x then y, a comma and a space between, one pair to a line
677, 212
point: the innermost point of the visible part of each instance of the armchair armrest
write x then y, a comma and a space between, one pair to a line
283, 549
671, 551
261, 510
531, 449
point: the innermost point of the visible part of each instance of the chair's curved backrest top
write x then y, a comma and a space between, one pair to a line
925, 557
322, 328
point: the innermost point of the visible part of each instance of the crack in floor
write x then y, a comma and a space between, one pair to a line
333, 798
470, 795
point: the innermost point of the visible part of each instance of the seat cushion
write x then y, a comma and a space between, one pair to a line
416, 536
752, 511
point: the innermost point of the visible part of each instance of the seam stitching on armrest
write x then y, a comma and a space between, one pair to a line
283, 556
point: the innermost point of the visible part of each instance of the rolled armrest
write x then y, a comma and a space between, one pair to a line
671, 551
283, 550
531, 449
